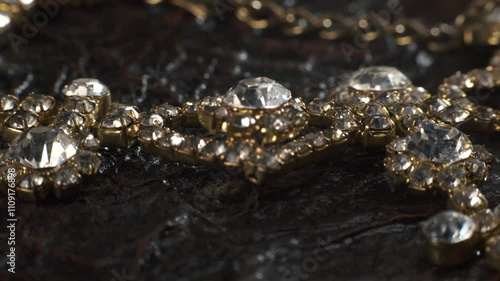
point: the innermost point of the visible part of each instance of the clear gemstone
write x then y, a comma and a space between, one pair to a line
37, 103
221, 112
298, 147
469, 199
85, 87
151, 120
316, 140
405, 109
167, 111
8, 103
116, 122
276, 123
439, 143
387, 98
422, 177
215, 147
399, 163
78, 104
88, 162
451, 92
266, 160
151, 134
454, 114
435, 105
449, 227
257, 93
379, 78
32, 181
481, 153
91, 142
483, 78
461, 80
452, 177
22, 120
371, 109
124, 110
242, 121
317, 106
485, 113
42, 147
417, 94
398, 145
378, 122
240, 151
486, 221
477, 168
66, 177
70, 119
414, 121
334, 135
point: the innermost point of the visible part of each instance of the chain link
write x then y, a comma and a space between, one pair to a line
267, 14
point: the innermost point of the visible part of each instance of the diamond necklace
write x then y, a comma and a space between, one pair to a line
259, 127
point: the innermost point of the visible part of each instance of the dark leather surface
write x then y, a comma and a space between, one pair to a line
154, 220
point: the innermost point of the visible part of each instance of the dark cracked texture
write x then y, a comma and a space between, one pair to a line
154, 220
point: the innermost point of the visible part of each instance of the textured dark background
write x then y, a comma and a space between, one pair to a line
155, 220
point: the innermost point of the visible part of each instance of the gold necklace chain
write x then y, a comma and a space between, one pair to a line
469, 28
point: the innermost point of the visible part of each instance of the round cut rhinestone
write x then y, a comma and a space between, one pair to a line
37, 103
167, 111
257, 93
22, 120
449, 227
7, 103
85, 87
379, 78
42, 147
440, 144
422, 177
469, 199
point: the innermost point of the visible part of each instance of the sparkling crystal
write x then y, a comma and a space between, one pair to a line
176, 139
454, 114
477, 168
387, 98
334, 135
449, 227
345, 124
70, 119
398, 145
399, 163
240, 151
486, 221
116, 122
485, 113
461, 80
151, 133
379, 78
469, 199
266, 160
167, 111
8, 103
371, 109
378, 122
316, 140
317, 106
257, 93
451, 92
66, 177
22, 120
481, 153
242, 121
91, 142
276, 123
465, 103
85, 87
439, 143
37, 103
483, 78
78, 104
414, 121
405, 109
298, 147
151, 120
422, 176
417, 94
221, 112
32, 181
215, 147
42, 147
124, 110
296, 117
88, 162
435, 105
452, 177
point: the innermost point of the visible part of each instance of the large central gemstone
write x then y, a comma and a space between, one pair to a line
440, 144
42, 147
379, 78
257, 93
